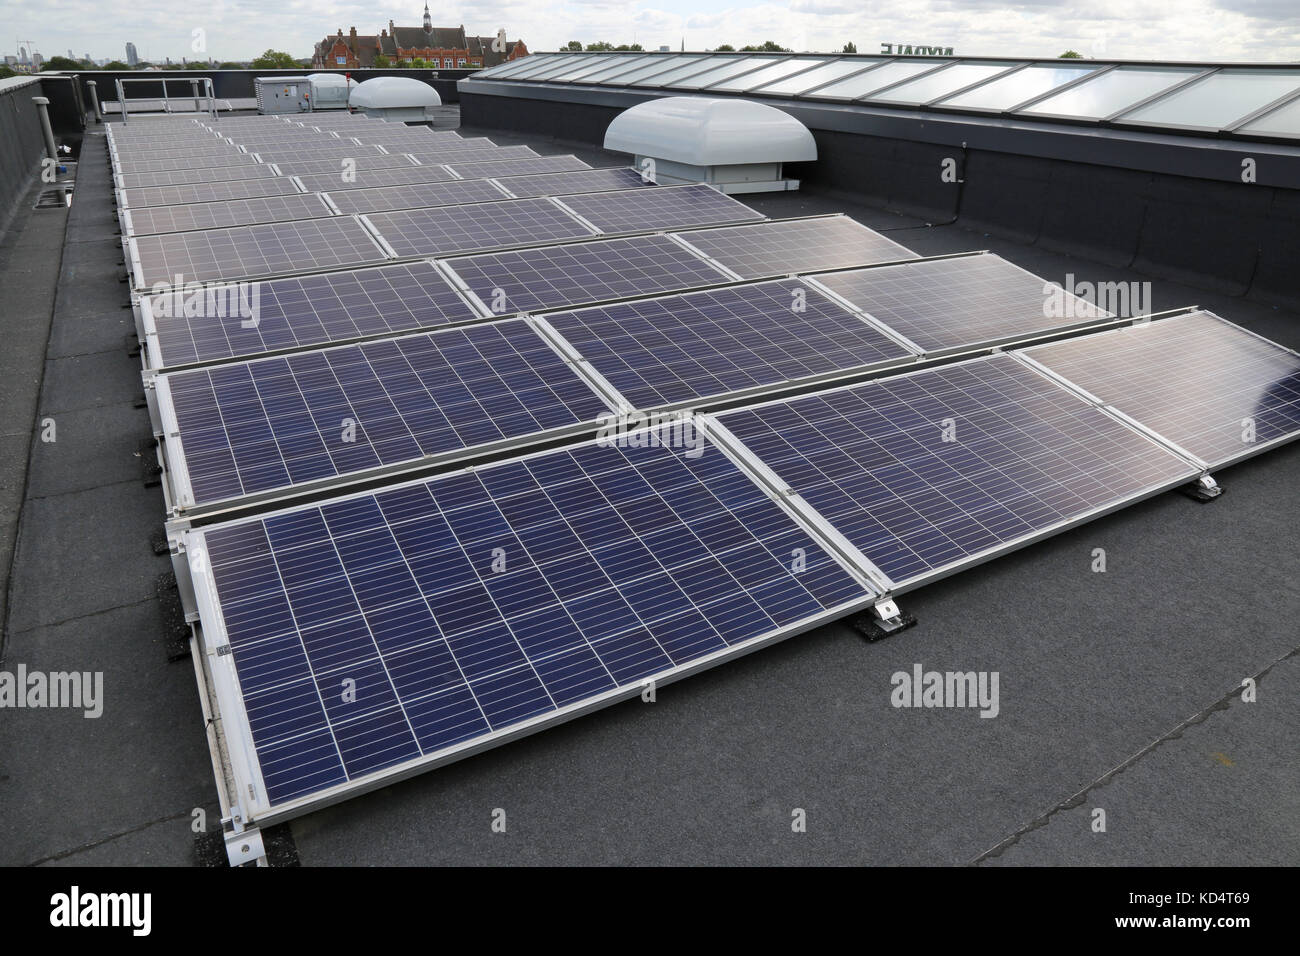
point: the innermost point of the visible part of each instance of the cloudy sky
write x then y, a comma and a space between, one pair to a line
1251, 30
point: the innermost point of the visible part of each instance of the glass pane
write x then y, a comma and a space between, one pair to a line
542, 64
685, 69
776, 71
525, 65
856, 86
613, 65
564, 64
1111, 92
926, 88
1007, 91
1219, 99
659, 77
656, 64
1283, 121
734, 65
823, 74
599, 65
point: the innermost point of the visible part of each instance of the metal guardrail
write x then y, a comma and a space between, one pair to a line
194, 82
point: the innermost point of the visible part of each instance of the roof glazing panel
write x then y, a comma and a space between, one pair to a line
933, 85
1019, 87
1110, 92
1218, 100
854, 86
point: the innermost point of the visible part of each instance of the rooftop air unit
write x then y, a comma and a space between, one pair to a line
328, 91
280, 94
736, 146
396, 98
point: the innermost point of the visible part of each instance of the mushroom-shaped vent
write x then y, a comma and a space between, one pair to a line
394, 92
710, 131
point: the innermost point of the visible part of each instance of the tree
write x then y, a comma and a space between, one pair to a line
381, 62
629, 48
274, 60
197, 65
767, 46
850, 47
229, 65
1070, 55
61, 63
725, 48
600, 46
418, 64
5, 72
115, 65
574, 45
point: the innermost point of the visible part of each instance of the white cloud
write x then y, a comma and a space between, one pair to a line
239, 29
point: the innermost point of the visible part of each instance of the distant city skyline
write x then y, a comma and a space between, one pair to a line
1250, 30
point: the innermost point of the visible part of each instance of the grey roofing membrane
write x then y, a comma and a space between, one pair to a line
1118, 690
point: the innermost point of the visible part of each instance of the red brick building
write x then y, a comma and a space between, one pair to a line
446, 48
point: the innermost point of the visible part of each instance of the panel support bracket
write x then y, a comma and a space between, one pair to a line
1203, 489
883, 620
245, 846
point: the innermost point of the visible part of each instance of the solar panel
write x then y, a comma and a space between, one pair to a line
516, 167
204, 192
614, 566
301, 312
179, 177
368, 178
796, 245
493, 154
494, 225
1210, 387
678, 349
664, 208
415, 195
320, 154
945, 305
928, 471
248, 252
582, 181
531, 279
216, 215
192, 159
306, 166
271, 424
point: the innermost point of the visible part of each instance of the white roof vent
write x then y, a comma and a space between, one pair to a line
397, 98
736, 145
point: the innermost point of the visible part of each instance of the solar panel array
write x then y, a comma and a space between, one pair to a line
802, 245
246, 252
303, 312
468, 607
1212, 388
679, 349
268, 424
495, 225
948, 304
924, 471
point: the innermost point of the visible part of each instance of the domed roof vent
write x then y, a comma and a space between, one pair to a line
397, 98
735, 145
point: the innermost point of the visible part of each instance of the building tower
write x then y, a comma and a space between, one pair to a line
428, 20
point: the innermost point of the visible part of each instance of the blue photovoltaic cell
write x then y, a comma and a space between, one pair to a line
308, 165
439, 157
415, 196
483, 169
925, 470
333, 182
683, 347
947, 304
309, 310
273, 423
179, 177
206, 192
580, 181
543, 278
789, 246
1206, 385
247, 252
620, 564
496, 225
667, 207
